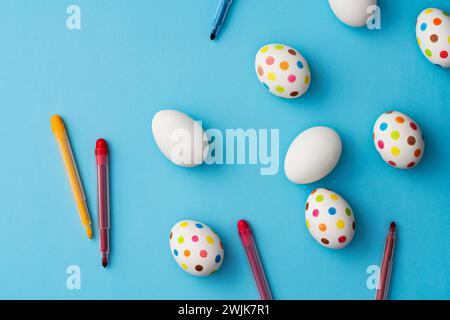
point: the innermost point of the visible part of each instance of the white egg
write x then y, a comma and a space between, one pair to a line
180, 138
196, 248
282, 70
433, 36
312, 155
352, 12
398, 139
329, 219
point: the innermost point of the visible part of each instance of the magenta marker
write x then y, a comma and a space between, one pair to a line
248, 242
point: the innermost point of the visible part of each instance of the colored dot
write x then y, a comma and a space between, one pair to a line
395, 135
194, 238
264, 49
284, 65
380, 144
187, 253
395, 151
279, 89
300, 64
170, 237
392, 163
319, 198
175, 252
184, 266
417, 153
444, 54
292, 52
292, 78
270, 60
411, 164
180, 240
411, 140
315, 213
221, 245
306, 79
198, 268
203, 253
322, 227
314, 191
434, 38
448, 39
428, 11
445, 13
184, 224
348, 212
423, 26
353, 225
307, 224
389, 112
324, 241
437, 21
413, 126
340, 224
428, 52
294, 93
278, 47
383, 126
209, 239
307, 206
198, 225
333, 196
260, 71
342, 239
418, 42
332, 211
218, 258
271, 76
400, 119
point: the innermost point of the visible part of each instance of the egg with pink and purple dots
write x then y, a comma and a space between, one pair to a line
433, 36
282, 70
329, 219
398, 139
196, 248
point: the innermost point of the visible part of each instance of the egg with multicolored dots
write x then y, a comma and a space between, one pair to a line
398, 139
433, 36
196, 248
282, 70
329, 219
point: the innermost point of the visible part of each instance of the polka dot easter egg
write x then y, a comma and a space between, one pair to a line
196, 248
329, 219
282, 70
398, 139
433, 36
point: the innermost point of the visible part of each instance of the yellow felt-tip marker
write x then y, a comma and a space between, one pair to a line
59, 130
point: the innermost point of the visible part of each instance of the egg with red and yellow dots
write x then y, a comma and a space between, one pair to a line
398, 139
433, 36
196, 248
282, 70
329, 219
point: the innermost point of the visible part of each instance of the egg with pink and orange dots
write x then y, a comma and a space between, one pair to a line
398, 139
196, 248
282, 70
329, 219
433, 36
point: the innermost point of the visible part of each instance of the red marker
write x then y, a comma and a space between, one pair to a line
101, 156
248, 242
386, 265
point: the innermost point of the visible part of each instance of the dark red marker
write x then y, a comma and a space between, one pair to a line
386, 264
101, 156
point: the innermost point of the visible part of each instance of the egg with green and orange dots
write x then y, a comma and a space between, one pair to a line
433, 36
398, 139
196, 248
282, 70
329, 219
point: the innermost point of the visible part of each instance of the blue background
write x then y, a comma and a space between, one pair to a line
132, 58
